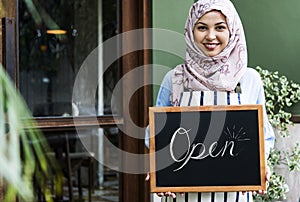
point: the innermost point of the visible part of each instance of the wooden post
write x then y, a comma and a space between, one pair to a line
9, 47
135, 15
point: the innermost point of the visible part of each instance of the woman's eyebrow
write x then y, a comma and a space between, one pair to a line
200, 23
219, 23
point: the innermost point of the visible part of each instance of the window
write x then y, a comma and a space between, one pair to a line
55, 39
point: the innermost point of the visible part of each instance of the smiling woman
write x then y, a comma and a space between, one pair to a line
211, 33
215, 62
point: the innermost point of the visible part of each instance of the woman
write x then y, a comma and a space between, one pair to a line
216, 60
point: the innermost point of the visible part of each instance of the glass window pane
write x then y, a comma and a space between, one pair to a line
55, 39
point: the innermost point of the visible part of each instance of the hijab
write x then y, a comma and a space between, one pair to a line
218, 73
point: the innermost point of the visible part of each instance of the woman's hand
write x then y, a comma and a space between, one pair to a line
173, 195
268, 175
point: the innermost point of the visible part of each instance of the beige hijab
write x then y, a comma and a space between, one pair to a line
218, 73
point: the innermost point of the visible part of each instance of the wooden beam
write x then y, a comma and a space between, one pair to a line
135, 15
9, 48
66, 123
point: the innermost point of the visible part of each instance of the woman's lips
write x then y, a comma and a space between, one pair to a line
211, 46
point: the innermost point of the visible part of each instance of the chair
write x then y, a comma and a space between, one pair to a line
74, 161
71, 163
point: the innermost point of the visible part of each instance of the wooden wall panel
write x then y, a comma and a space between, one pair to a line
7, 9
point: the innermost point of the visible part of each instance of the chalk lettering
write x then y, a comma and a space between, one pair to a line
210, 151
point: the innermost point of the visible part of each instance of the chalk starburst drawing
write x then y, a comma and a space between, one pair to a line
236, 134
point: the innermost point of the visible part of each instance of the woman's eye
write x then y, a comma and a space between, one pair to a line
201, 28
221, 28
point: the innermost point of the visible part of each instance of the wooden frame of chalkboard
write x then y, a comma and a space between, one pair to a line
207, 148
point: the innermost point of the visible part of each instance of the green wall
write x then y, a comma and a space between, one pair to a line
271, 27
170, 15
273, 35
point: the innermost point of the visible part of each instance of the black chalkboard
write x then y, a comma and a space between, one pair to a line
207, 148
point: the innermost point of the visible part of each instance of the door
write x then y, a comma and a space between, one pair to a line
60, 55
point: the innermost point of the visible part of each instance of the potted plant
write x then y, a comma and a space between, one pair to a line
281, 93
23, 159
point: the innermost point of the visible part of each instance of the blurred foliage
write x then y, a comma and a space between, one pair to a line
277, 189
281, 93
23, 148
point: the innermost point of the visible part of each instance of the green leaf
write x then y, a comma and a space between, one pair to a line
17, 126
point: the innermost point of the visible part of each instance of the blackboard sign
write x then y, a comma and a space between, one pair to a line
207, 148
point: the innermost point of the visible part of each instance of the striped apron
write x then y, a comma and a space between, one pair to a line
204, 98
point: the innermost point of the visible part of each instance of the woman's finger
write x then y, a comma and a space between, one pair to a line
171, 194
147, 177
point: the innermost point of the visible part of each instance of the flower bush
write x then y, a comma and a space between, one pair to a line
281, 93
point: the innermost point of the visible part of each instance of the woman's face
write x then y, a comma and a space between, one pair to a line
211, 33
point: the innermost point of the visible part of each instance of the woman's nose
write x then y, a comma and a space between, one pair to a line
211, 35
